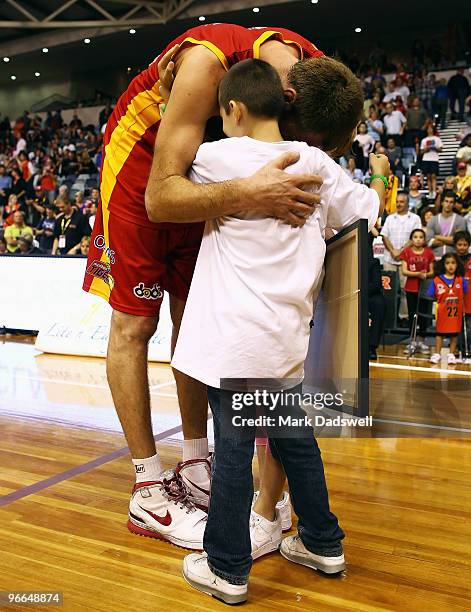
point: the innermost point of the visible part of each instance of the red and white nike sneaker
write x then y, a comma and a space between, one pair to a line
196, 474
163, 510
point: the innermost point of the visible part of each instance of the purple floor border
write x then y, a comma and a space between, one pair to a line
75, 471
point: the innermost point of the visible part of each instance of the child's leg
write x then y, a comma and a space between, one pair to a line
301, 459
453, 344
271, 486
227, 536
438, 344
261, 444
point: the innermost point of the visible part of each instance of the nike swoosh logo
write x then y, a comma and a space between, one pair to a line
205, 491
163, 520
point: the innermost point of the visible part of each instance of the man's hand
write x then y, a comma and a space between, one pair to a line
165, 69
379, 164
396, 253
275, 193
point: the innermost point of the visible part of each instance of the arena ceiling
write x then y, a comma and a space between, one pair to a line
61, 26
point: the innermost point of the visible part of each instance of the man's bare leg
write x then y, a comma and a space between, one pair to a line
126, 367
154, 493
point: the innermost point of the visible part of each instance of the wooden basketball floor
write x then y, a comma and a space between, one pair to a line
65, 481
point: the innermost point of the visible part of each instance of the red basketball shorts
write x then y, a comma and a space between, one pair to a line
130, 265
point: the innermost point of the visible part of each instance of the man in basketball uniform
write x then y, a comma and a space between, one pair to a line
148, 231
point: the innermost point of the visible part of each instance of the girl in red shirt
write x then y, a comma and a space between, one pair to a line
417, 265
449, 288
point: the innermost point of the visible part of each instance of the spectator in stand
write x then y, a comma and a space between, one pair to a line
416, 198
417, 266
20, 145
48, 182
458, 88
391, 93
449, 184
464, 154
353, 172
394, 122
3, 246
70, 227
396, 237
81, 248
14, 231
440, 102
26, 246
36, 206
394, 154
376, 301
462, 242
416, 123
69, 164
78, 201
86, 165
11, 207
425, 216
430, 147
18, 184
441, 227
367, 144
402, 89
45, 230
375, 125
424, 91
104, 115
75, 122
5, 185
463, 181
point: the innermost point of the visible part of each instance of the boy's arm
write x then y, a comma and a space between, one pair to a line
348, 201
170, 196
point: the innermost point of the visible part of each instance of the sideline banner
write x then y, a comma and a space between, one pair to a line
45, 294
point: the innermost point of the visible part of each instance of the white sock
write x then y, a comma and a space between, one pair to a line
195, 449
149, 469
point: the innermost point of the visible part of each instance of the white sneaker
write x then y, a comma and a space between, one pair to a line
162, 510
410, 348
435, 358
196, 474
467, 361
284, 509
452, 359
198, 575
423, 348
265, 535
294, 550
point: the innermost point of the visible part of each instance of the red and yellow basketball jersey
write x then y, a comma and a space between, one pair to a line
131, 130
449, 305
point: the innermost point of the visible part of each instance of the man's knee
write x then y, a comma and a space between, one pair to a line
127, 328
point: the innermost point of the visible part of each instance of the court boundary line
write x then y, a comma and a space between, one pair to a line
41, 485
424, 425
395, 366
82, 384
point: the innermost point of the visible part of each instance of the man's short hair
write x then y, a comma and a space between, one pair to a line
257, 85
329, 100
403, 193
449, 194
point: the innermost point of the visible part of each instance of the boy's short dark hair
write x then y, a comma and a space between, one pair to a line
329, 100
461, 235
257, 85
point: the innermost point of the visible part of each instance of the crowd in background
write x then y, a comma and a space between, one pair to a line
49, 183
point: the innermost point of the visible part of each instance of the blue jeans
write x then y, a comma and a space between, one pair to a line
227, 534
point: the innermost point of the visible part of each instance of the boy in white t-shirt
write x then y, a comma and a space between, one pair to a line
247, 317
